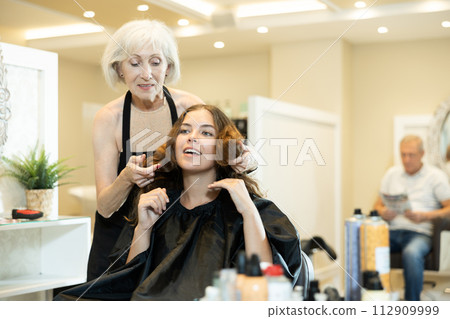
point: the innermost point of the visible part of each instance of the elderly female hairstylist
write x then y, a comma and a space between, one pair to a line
142, 54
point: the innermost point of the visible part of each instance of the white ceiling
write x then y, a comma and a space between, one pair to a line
406, 20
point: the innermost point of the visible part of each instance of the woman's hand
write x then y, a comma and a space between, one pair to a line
255, 237
139, 175
238, 193
245, 162
151, 206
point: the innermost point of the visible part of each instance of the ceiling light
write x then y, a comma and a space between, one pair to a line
183, 22
89, 14
277, 7
262, 29
445, 24
360, 4
142, 7
204, 7
382, 30
219, 44
433, 6
65, 30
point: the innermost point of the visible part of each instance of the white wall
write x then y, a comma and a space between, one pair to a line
229, 79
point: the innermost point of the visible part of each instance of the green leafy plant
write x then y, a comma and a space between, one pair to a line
34, 170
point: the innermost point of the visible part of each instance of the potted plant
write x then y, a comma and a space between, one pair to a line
38, 175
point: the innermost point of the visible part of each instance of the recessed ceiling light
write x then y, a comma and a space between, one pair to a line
89, 14
219, 44
382, 30
445, 24
183, 22
262, 29
360, 4
65, 30
278, 7
142, 7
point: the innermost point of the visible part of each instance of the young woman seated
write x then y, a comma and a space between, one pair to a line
194, 219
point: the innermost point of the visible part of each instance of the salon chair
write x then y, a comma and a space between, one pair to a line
309, 247
306, 274
316, 243
432, 260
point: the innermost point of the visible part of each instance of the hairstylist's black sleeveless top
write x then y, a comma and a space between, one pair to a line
107, 230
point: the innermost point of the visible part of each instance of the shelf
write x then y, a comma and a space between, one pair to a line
43, 254
28, 284
42, 222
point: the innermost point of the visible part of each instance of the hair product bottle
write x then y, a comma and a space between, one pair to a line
228, 284
255, 284
279, 287
313, 289
240, 278
373, 288
375, 247
211, 294
297, 294
353, 279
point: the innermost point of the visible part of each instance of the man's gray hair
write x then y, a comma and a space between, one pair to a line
413, 138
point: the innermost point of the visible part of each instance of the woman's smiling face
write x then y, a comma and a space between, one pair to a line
195, 146
144, 72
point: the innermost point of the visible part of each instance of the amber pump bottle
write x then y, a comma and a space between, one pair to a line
374, 236
254, 287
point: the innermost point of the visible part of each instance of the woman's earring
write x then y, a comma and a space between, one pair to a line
121, 75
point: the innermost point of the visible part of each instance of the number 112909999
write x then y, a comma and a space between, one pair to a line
383, 310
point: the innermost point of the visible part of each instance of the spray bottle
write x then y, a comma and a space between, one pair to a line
375, 252
353, 279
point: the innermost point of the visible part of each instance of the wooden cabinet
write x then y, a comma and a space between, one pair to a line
43, 254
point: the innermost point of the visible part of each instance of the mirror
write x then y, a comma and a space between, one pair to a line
5, 111
439, 137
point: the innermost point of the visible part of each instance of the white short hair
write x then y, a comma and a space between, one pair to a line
134, 35
413, 138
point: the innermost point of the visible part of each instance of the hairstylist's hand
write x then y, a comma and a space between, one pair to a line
151, 206
238, 193
244, 163
139, 175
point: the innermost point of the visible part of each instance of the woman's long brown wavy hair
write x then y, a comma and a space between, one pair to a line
170, 176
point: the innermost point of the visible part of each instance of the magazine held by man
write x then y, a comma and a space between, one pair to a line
398, 203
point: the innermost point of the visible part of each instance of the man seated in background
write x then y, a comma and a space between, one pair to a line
428, 192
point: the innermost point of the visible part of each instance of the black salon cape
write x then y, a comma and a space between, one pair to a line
187, 247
